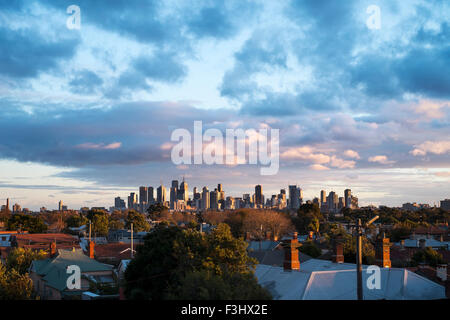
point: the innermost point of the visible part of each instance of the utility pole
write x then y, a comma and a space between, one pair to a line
359, 233
359, 259
90, 230
131, 240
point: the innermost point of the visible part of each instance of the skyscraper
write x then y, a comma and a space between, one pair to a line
161, 194
323, 197
259, 201
143, 195
151, 195
173, 195
132, 200
348, 198
294, 197
143, 198
205, 198
183, 192
60, 205
332, 201
119, 203
214, 199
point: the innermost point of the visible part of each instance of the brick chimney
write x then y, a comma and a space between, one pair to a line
382, 252
91, 250
338, 251
52, 249
291, 261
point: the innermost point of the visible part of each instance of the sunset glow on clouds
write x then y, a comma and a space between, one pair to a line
95, 107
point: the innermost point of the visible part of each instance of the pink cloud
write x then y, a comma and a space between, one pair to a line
380, 159
436, 147
99, 146
351, 154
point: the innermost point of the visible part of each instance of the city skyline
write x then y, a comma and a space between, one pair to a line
122, 200
87, 114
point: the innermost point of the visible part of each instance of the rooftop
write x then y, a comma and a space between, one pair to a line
325, 280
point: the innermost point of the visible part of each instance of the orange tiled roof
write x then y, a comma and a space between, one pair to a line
46, 238
113, 250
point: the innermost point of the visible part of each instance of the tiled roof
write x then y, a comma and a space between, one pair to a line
45, 238
53, 270
275, 257
113, 251
430, 230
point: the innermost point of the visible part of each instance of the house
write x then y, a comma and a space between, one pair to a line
113, 253
42, 241
50, 275
317, 279
125, 236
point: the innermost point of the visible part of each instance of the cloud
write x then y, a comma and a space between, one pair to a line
435, 147
99, 146
351, 154
26, 52
85, 82
318, 167
305, 153
341, 164
432, 109
380, 159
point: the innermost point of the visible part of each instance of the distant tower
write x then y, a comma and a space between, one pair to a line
348, 198
7, 204
323, 197
60, 205
258, 196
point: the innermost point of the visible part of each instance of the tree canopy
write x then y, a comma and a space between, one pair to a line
172, 261
26, 222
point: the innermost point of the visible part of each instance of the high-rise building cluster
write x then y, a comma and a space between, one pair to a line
177, 199
334, 204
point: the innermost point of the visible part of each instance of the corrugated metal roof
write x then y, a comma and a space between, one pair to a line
325, 280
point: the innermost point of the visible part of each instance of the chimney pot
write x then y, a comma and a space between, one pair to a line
91, 250
295, 236
52, 249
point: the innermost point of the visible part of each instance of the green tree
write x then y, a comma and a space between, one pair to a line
76, 220
172, 257
308, 218
20, 259
138, 220
156, 210
310, 249
26, 223
428, 256
115, 224
13, 285
101, 224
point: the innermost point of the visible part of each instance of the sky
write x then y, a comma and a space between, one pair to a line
87, 114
